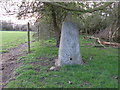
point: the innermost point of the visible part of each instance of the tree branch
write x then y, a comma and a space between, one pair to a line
102, 7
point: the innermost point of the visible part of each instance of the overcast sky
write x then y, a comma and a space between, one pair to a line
5, 6
8, 5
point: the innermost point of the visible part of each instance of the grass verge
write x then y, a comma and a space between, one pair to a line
100, 70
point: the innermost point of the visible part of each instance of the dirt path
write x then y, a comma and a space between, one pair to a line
8, 63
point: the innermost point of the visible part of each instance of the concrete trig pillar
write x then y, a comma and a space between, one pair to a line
69, 50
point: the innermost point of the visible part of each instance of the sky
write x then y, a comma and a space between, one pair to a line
5, 6
8, 5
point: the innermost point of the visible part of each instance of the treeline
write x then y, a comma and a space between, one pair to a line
99, 19
10, 26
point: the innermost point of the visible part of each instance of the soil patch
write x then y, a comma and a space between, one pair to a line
45, 61
8, 63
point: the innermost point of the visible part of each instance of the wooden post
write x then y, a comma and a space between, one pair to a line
28, 36
38, 33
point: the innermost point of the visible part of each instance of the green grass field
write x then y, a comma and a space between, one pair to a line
10, 39
99, 72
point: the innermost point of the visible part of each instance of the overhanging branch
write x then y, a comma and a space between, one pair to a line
102, 7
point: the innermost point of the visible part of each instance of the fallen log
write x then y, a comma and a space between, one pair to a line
103, 43
110, 43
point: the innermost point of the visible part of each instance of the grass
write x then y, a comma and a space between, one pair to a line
99, 72
10, 39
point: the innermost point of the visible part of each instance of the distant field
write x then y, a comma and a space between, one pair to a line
11, 39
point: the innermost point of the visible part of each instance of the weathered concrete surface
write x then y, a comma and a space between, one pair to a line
69, 51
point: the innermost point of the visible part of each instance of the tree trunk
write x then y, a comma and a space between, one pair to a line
58, 40
56, 27
69, 50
